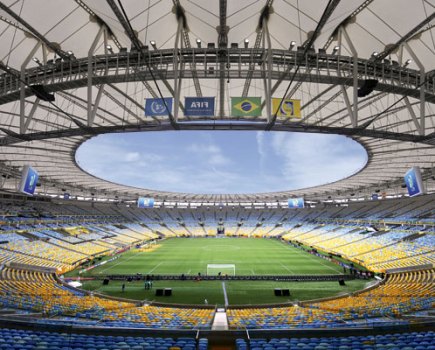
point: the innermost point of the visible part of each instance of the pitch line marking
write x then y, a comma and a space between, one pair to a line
119, 262
155, 267
225, 294
287, 268
312, 258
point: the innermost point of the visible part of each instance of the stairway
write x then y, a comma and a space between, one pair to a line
220, 322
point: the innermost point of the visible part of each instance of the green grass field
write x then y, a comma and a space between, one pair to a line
238, 292
250, 256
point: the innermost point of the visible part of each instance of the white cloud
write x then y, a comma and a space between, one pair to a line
259, 136
218, 160
282, 161
313, 159
132, 156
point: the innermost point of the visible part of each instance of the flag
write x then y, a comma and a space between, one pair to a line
289, 108
199, 106
245, 106
156, 106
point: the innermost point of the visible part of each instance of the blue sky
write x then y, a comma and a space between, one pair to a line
221, 161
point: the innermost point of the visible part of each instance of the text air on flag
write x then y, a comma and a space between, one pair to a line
156, 106
199, 106
246, 106
288, 109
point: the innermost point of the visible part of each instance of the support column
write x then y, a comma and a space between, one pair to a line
421, 86
353, 113
268, 76
177, 66
93, 111
24, 122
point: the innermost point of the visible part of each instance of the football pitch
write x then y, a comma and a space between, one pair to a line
190, 256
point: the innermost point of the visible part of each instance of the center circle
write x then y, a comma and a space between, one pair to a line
221, 162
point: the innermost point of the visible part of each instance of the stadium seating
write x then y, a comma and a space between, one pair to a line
48, 235
405, 341
400, 293
26, 339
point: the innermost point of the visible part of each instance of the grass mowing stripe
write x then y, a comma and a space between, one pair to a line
238, 292
250, 255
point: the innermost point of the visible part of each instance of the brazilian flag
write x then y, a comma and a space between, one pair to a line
245, 106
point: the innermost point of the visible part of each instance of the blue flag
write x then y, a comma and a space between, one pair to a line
199, 106
156, 106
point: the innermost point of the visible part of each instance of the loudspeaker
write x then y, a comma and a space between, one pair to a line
286, 292
341, 282
278, 292
105, 282
40, 92
159, 292
367, 87
168, 292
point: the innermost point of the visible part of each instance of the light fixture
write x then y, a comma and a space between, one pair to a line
407, 63
69, 52
246, 43
375, 54
109, 48
335, 49
153, 44
198, 43
292, 44
35, 59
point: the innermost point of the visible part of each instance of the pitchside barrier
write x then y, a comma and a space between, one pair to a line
292, 278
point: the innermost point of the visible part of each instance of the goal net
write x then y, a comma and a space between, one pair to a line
222, 269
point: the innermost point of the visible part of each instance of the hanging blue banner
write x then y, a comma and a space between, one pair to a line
145, 202
296, 203
199, 106
156, 106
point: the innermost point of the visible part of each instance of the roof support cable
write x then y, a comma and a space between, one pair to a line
138, 46
332, 4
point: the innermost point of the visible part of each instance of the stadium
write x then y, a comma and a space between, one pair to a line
106, 244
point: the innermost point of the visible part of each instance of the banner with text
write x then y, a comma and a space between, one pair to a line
414, 182
199, 106
288, 108
144, 202
246, 106
29, 179
156, 106
296, 203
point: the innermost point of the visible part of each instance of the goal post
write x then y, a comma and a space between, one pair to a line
222, 269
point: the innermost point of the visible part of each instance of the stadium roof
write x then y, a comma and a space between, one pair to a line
102, 58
